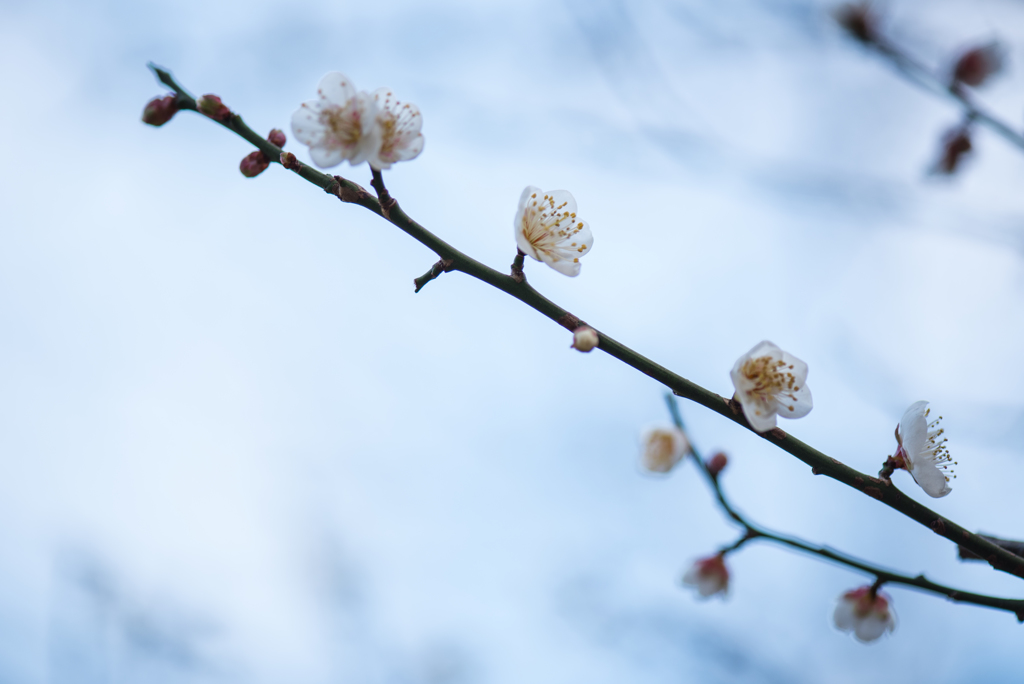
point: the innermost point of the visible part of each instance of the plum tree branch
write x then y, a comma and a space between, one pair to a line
884, 491
752, 531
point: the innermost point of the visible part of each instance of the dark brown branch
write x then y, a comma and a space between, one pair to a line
754, 531
1010, 545
820, 464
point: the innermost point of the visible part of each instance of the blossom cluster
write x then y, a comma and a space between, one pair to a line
343, 123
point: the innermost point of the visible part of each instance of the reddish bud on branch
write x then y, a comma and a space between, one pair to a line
159, 110
289, 161
975, 66
717, 463
254, 164
277, 137
211, 106
858, 20
956, 144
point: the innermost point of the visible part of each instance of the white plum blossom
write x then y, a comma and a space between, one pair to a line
771, 382
661, 448
399, 124
708, 576
923, 454
340, 124
865, 613
547, 229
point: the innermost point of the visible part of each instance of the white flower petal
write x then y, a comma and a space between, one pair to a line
797, 404
306, 126
564, 266
709, 585
931, 479
844, 617
914, 428
871, 627
336, 88
326, 157
760, 415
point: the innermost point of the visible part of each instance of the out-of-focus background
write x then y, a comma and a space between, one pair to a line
236, 447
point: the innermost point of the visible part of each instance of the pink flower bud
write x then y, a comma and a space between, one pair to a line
956, 144
975, 66
254, 164
858, 20
864, 612
708, 576
717, 463
584, 338
211, 106
277, 137
159, 110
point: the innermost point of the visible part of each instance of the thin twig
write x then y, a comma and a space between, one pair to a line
754, 531
998, 557
931, 80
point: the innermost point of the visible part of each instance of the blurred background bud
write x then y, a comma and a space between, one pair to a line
858, 20
956, 144
717, 463
211, 106
159, 110
277, 137
254, 164
976, 65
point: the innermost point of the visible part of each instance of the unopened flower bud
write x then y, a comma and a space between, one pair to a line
975, 66
717, 463
956, 144
708, 576
211, 106
866, 613
858, 20
277, 137
289, 161
585, 338
254, 164
159, 110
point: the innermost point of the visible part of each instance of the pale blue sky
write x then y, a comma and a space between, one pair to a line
235, 446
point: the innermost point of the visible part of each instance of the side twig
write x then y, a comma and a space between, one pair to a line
753, 531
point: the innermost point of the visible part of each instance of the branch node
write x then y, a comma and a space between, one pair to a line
289, 162
347, 191
570, 322
938, 526
387, 202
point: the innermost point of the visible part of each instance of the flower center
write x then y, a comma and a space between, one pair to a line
344, 123
769, 377
548, 228
935, 448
